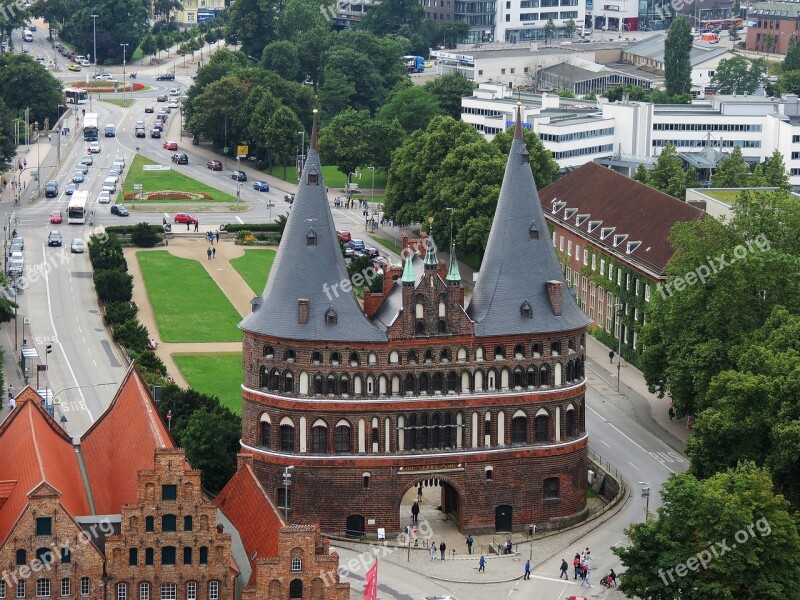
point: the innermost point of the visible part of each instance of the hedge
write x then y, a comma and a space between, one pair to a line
267, 227
129, 229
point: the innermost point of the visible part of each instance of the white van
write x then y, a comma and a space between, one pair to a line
110, 185
27, 36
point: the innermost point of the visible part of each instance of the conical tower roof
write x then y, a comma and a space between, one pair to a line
453, 273
520, 261
431, 254
303, 298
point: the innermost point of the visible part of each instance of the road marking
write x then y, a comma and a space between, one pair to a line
240, 220
60, 346
606, 443
633, 465
628, 438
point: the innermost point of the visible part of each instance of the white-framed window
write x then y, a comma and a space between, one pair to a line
86, 586
191, 590
636, 314
578, 253
628, 281
610, 272
637, 287
213, 590
42, 588
634, 340
609, 310
66, 586
584, 285
554, 239
600, 305
144, 591
2, 589
569, 247
647, 292
575, 276
619, 276
122, 591
602, 265
586, 257
561, 243
21, 588
297, 564
569, 275
594, 262
169, 591
593, 297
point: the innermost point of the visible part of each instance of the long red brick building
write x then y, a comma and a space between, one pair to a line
485, 399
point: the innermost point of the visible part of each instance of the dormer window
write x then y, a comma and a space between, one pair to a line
311, 238
570, 212
330, 317
593, 225
533, 232
558, 205
619, 238
632, 246
606, 231
525, 157
313, 177
526, 310
579, 220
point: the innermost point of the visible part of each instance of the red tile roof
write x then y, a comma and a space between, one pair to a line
642, 213
121, 443
35, 449
246, 505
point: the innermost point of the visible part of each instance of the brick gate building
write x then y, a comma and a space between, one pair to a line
486, 399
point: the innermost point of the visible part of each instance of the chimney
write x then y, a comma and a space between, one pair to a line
555, 293
242, 459
302, 311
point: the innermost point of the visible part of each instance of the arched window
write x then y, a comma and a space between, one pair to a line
287, 438
419, 328
411, 432
452, 381
569, 422
428, 356
288, 382
21, 557
269, 352
122, 591
394, 357
45, 556
537, 350
541, 434
297, 564
448, 438
330, 385
354, 360
442, 326
344, 384
423, 435
519, 351
445, 355
372, 358
423, 383
319, 437
191, 590
336, 358
436, 431
341, 437
144, 591
316, 357
480, 353
266, 431
519, 378
519, 429
318, 384
263, 378
544, 375
408, 383
462, 355
555, 348
187, 523
289, 355
499, 353
531, 377
438, 382
274, 380
412, 357
213, 590
296, 588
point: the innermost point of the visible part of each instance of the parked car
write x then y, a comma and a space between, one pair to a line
180, 159
70, 189
261, 186
344, 236
239, 176
172, 105
76, 246
149, 109
16, 246
104, 197
214, 165
166, 77
357, 245
78, 177
185, 218
348, 252
16, 267
372, 252
119, 210
86, 63
54, 238
171, 145
175, 92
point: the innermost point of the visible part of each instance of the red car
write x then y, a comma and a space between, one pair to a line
55, 216
171, 145
344, 236
185, 218
214, 165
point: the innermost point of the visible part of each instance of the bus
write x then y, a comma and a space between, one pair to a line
76, 96
722, 24
76, 209
90, 127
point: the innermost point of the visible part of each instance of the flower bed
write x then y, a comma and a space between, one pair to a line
107, 87
167, 195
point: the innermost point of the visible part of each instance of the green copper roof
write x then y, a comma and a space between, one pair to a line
408, 271
453, 273
431, 256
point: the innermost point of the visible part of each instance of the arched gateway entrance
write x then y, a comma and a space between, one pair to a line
439, 497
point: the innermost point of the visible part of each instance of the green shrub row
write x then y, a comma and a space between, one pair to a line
265, 227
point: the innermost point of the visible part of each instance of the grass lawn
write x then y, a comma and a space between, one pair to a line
335, 179
254, 267
137, 54
727, 196
188, 304
119, 102
174, 180
218, 375
387, 242
590, 493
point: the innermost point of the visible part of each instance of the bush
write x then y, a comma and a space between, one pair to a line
119, 312
113, 285
145, 235
276, 227
132, 335
105, 252
148, 361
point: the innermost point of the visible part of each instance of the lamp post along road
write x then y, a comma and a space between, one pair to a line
124, 50
618, 306
94, 39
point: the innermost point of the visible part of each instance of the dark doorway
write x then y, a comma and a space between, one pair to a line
355, 526
503, 516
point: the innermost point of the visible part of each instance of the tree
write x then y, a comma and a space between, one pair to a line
681, 356
452, 32
8, 145
384, 138
105, 252
733, 33
739, 75
768, 41
775, 172
164, 8
182, 403
549, 30
732, 171
119, 312
634, 92
281, 135
281, 57
132, 335
413, 107
449, 89
149, 46
113, 285
789, 81
119, 21
145, 235
7, 310
727, 537
677, 65
570, 28
224, 97
336, 93
252, 23
390, 16
642, 175
24, 83
298, 17
344, 141
668, 175
544, 167
211, 440
791, 62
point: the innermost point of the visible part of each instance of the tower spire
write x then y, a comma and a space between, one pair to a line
408, 269
431, 256
313, 143
453, 274
517, 122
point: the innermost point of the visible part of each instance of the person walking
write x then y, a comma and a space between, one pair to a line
585, 574
576, 564
613, 577
196, 225
442, 548
611, 356
433, 551
208, 251
470, 541
419, 493
187, 226
216, 235
482, 565
415, 512
214, 252
671, 413
564, 569
527, 569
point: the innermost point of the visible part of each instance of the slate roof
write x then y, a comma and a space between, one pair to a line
245, 504
121, 443
311, 272
639, 212
393, 303
36, 450
516, 267
785, 10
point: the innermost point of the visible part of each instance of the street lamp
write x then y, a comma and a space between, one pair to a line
372, 195
94, 38
124, 50
646, 496
620, 312
286, 483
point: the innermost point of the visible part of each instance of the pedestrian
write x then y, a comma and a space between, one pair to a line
470, 541
576, 564
671, 413
433, 551
217, 235
482, 564
187, 226
12, 404
527, 569
613, 577
214, 252
419, 493
611, 356
164, 221
25, 162
564, 569
209, 252
415, 512
442, 548
196, 225
585, 574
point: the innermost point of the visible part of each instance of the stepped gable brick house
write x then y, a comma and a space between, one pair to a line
485, 400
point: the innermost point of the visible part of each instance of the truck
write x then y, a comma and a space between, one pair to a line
414, 64
90, 127
111, 131
27, 35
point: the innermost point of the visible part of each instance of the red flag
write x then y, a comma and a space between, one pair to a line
371, 587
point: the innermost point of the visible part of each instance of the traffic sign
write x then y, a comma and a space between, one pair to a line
137, 186
225, 150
